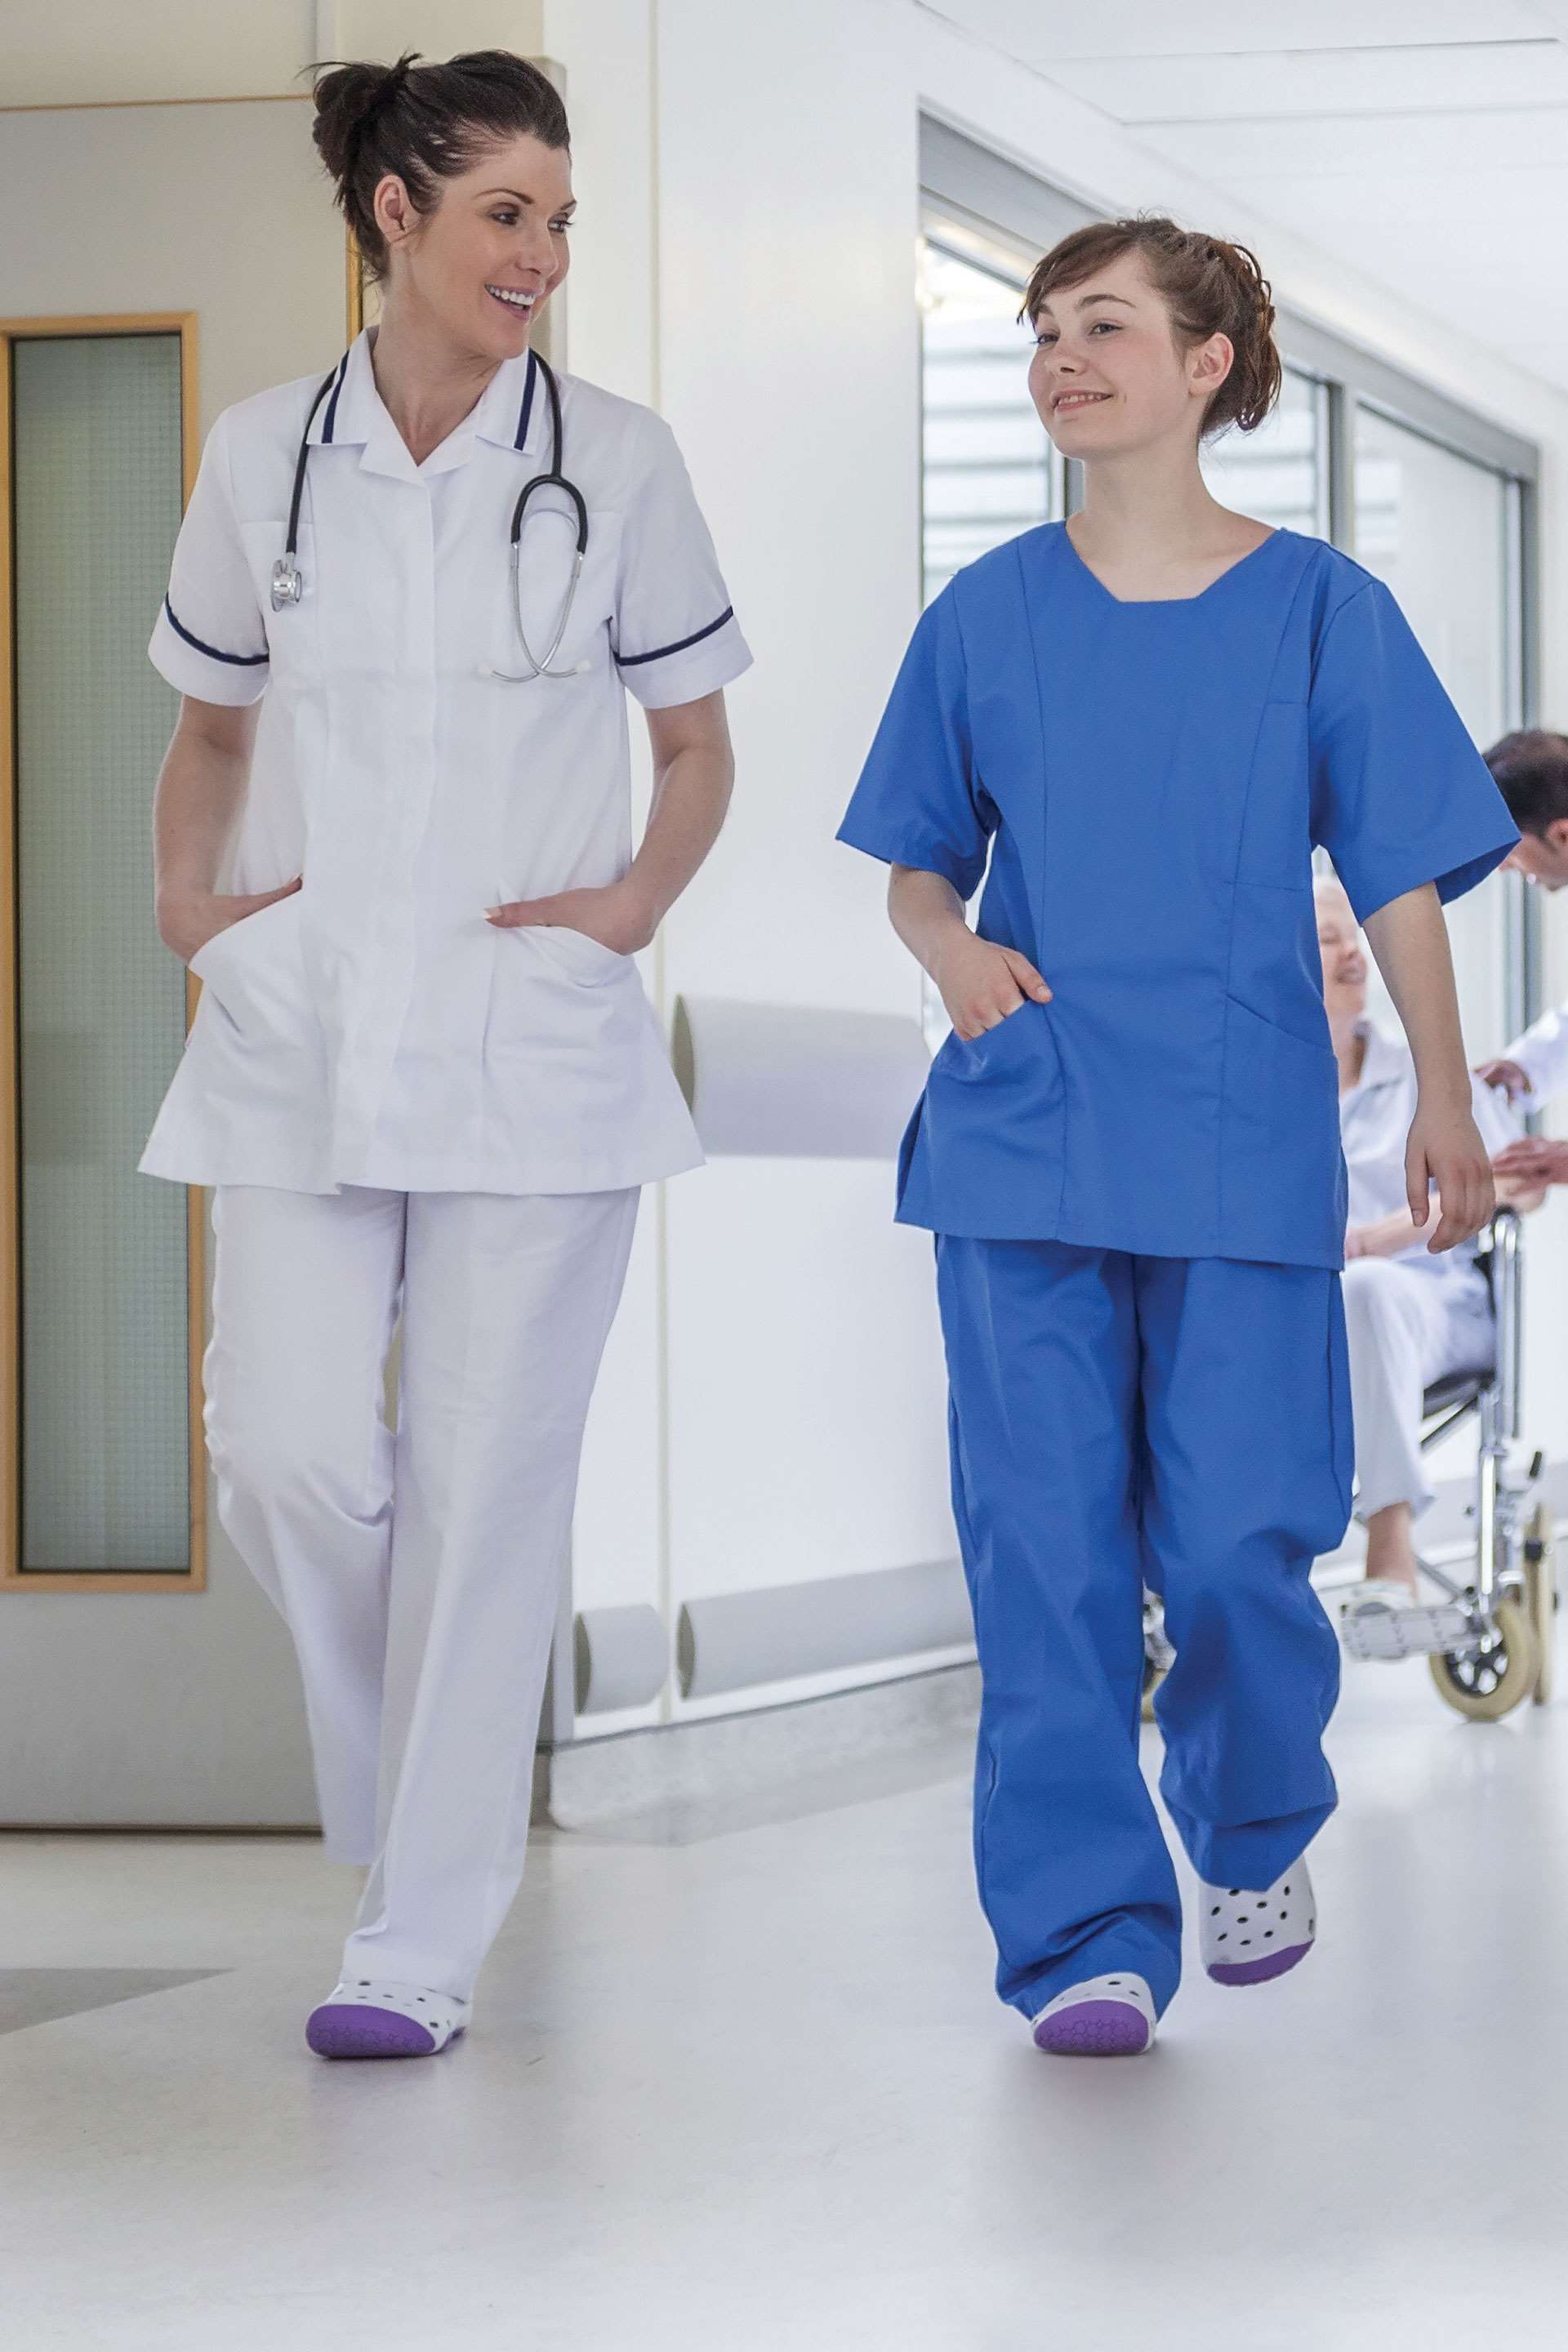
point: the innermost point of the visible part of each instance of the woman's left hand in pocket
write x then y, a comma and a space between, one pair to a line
613, 916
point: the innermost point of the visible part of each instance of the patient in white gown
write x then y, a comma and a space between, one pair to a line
1411, 1316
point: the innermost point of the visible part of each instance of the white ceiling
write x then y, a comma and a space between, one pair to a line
1423, 141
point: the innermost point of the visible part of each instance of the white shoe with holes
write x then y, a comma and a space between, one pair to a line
1248, 1937
370, 2017
1104, 2017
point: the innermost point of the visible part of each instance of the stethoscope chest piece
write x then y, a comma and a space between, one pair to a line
287, 582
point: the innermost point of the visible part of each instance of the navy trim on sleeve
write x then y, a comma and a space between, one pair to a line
332, 409
240, 661
630, 661
526, 411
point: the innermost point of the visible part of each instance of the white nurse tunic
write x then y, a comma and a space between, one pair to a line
373, 1029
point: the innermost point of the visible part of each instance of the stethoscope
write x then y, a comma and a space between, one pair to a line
288, 581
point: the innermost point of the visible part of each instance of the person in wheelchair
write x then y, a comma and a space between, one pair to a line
1411, 1316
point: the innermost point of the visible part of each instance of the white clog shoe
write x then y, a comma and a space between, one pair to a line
371, 2017
1247, 1937
1104, 2017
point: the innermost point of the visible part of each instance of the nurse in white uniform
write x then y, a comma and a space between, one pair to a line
423, 1082
1411, 1315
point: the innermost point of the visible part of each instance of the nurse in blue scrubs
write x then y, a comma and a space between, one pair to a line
1136, 726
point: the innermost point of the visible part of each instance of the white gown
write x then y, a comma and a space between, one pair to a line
1412, 1318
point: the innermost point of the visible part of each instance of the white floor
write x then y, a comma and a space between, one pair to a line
739, 2086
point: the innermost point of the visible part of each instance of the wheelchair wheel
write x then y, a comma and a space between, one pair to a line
1541, 1600
1491, 1682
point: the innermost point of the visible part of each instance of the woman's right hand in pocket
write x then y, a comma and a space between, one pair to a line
187, 921
983, 984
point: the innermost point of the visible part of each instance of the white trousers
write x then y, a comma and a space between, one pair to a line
1405, 1329
418, 1572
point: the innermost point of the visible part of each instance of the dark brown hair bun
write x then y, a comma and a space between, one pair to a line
425, 123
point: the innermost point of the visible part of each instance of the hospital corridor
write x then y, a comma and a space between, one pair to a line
784, 1176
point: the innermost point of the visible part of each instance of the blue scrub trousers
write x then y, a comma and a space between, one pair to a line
1117, 1420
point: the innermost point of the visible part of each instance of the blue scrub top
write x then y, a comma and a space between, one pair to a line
1149, 782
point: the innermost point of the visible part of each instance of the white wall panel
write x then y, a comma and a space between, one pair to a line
807, 1417
790, 371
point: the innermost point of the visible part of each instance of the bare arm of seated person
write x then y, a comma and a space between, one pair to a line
1389, 1237
1533, 1160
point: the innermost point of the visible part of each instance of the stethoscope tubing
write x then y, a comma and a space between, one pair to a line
288, 580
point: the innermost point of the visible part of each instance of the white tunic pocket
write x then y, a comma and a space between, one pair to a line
254, 964
583, 1084
588, 957
247, 1104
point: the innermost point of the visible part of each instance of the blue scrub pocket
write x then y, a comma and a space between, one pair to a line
984, 1156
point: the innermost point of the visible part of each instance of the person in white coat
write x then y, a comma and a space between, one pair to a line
1532, 772
1411, 1315
423, 1080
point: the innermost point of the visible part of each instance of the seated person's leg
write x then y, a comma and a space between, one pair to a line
1401, 1336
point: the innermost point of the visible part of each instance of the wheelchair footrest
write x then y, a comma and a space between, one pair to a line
1374, 1630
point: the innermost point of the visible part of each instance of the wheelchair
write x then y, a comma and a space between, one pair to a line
1493, 1641
1490, 1642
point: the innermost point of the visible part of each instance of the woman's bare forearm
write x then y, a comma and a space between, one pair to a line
693, 779
1410, 940
690, 801
201, 791
981, 984
927, 913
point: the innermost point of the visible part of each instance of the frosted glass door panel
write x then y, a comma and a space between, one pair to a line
105, 1394
1437, 529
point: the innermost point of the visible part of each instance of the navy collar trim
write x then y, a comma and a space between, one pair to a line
530, 378
331, 418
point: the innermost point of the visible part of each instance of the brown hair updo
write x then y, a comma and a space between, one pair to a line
425, 123
1212, 288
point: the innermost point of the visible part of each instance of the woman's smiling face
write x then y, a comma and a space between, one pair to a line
1108, 374
494, 247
